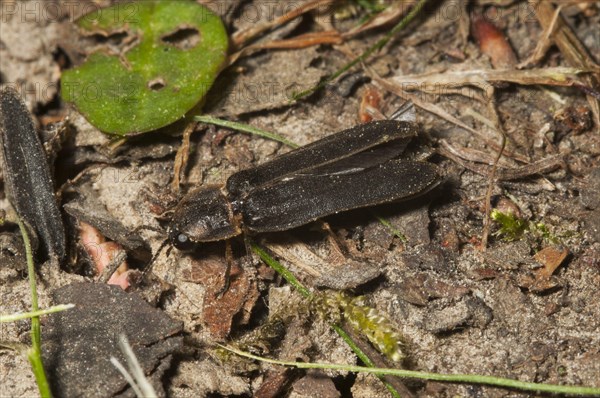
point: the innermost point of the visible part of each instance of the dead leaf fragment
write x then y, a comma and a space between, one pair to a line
551, 258
106, 256
542, 279
218, 311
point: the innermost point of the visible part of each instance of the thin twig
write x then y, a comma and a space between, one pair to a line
488, 197
487, 208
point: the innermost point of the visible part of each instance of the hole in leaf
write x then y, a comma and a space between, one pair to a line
117, 42
114, 38
157, 84
184, 38
61, 58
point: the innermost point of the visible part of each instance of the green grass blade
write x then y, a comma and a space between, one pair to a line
454, 378
35, 353
31, 314
245, 128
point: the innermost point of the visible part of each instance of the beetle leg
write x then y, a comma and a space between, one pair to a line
250, 260
227, 276
337, 245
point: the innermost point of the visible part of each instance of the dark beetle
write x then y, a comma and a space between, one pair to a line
347, 170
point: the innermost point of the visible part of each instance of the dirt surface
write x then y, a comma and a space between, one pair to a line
524, 308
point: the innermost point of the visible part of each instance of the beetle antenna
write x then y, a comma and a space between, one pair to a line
146, 228
151, 263
405, 113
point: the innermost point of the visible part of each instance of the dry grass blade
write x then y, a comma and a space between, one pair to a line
182, 157
474, 155
398, 90
545, 165
391, 14
544, 44
434, 82
240, 38
541, 166
483, 79
573, 50
301, 41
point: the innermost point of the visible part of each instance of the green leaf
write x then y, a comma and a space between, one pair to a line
170, 54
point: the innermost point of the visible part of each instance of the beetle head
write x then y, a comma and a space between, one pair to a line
203, 215
180, 240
